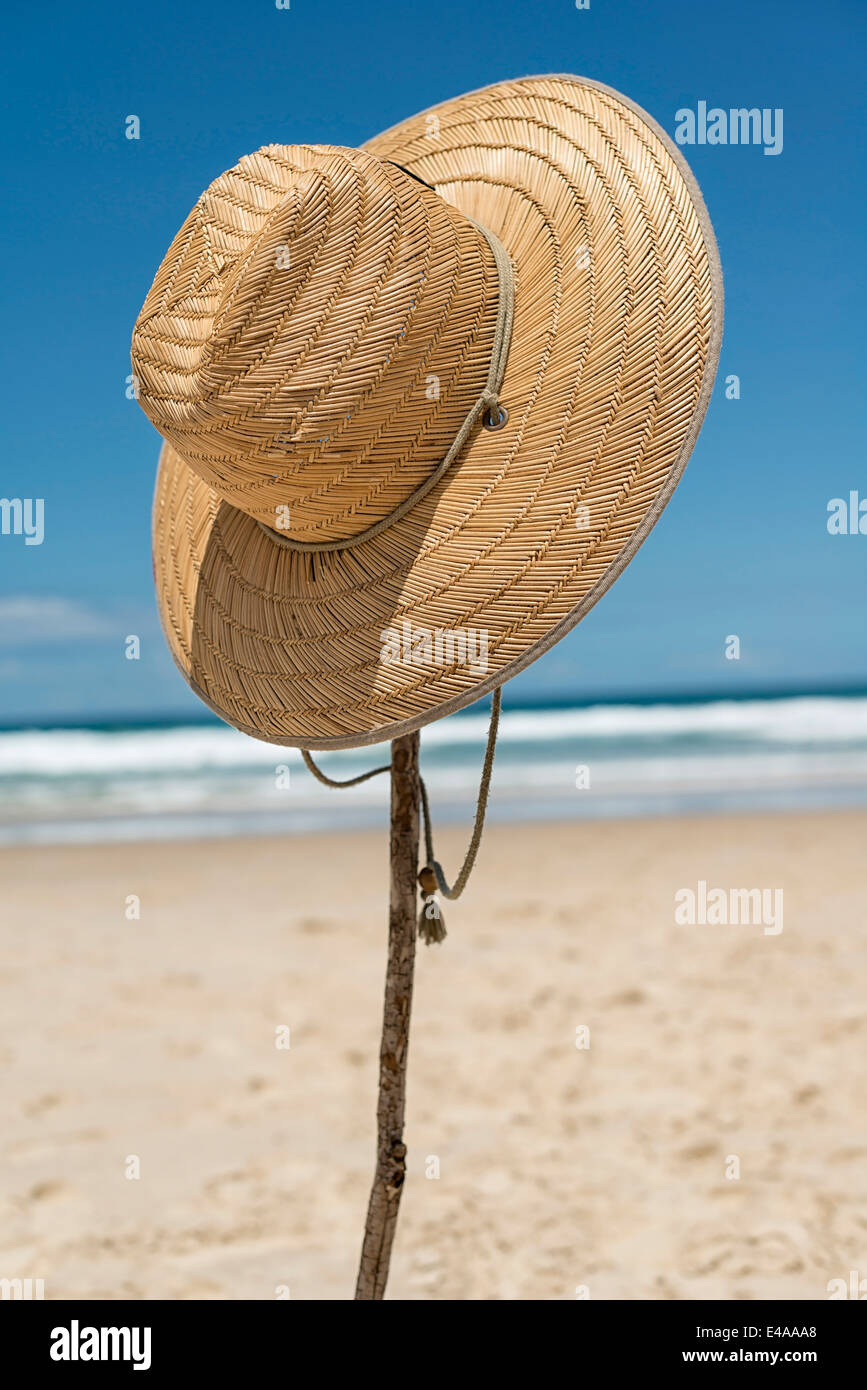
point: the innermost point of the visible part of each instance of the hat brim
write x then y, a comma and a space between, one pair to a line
618, 322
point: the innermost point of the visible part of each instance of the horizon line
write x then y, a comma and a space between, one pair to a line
525, 704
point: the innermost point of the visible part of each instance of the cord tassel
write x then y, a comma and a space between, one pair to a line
431, 923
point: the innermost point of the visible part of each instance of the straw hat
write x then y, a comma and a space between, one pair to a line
421, 403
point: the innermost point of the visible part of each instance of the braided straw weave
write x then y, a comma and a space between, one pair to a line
314, 339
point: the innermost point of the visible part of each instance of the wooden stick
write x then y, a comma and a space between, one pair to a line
390, 1149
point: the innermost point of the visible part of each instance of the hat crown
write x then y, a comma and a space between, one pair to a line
315, 336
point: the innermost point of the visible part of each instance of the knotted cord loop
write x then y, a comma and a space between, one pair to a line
432, 878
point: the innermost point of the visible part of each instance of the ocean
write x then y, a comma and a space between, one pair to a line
606, 759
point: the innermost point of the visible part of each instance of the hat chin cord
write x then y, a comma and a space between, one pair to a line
486, 407
431, 926
432, 879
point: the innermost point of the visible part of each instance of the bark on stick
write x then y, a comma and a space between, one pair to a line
391, 1150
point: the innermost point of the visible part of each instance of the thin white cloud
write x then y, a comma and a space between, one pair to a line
26, 621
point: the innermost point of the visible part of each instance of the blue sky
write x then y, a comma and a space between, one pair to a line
743, 548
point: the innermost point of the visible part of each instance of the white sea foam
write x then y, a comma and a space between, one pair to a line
90, 783
189, 748
805, 721
799, 720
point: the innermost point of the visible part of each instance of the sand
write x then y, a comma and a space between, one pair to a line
608, 1168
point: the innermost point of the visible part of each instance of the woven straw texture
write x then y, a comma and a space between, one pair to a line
316, 336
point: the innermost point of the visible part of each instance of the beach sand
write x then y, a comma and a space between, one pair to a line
608, 1167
